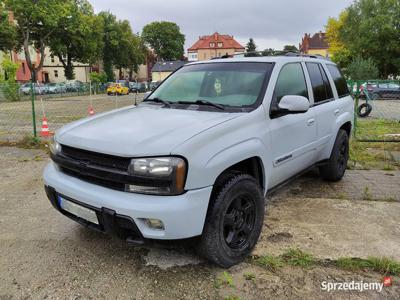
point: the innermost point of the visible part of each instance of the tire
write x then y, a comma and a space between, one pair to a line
234, 220
334, 169
364, 110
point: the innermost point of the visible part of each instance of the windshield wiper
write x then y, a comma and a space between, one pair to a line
203, 102
158, 100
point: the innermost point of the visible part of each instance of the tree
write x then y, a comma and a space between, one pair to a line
337, 49
362, 69
10, 85
131, 51
165, 38
371, 30
79, 38
110, 41
122, 48
36, 20
8, 33
290, 48
268, 52
251, 48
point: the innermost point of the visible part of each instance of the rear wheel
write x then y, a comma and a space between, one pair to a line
234, 220
334, 169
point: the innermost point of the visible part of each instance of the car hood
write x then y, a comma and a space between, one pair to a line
144, 130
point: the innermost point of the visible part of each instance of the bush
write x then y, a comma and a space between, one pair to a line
10, 86
362, 69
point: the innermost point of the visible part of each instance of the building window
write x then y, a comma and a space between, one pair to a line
212, 45
52, 58
23, 68
55, 73
219, 45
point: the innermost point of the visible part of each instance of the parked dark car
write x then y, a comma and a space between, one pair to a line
154, 85
140, 87
389, 90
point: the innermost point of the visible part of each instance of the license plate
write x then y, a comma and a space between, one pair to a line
78, 210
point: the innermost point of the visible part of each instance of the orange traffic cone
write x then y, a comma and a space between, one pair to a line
44, 132
91, 111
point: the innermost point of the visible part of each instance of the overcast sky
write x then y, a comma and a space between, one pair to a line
271, 23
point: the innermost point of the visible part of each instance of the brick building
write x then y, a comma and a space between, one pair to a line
215, 45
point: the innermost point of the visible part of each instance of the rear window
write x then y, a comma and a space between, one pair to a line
321, 88
340, 82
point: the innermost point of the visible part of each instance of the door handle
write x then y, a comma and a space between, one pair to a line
336, 112
310, 122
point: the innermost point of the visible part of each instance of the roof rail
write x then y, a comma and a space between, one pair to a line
277, 53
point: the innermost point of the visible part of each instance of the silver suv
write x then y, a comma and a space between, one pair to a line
199, 155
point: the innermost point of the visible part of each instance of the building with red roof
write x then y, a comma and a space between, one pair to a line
315, 45
215, 45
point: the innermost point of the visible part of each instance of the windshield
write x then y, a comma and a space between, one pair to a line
231, 84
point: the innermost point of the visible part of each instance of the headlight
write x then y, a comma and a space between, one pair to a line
54, 146
157, 175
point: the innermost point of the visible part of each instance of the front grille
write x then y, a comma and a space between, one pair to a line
100, 159
91, 179
101, 169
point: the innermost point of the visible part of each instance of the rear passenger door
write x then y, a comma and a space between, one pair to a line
325, 107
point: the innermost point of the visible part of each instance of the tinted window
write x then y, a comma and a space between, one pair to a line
340, 82
319, 81
291, 81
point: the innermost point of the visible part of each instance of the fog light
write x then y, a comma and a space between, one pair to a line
154, 223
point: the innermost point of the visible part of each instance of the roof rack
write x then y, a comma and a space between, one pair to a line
275, 53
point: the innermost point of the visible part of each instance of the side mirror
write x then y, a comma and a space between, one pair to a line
293, 104
146, 95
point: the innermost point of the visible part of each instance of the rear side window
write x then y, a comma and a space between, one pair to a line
340, 82
291, 81
321, 88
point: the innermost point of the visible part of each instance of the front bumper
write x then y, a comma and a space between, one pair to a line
183, 216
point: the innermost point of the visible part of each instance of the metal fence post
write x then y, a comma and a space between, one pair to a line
33, 105
356, 108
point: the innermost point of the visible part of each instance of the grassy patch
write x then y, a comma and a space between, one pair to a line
373, 155
249, 276
225, 279
271, 263
376, 128
232, 297
297, 257
366, 195
382, 265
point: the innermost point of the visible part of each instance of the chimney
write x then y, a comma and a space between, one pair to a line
216, 36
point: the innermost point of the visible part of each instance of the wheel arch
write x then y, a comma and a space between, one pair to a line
252, 166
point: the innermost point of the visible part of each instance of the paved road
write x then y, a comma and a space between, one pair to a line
44, 255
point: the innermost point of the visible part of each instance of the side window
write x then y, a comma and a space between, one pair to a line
290, 81
340, 82
319, 81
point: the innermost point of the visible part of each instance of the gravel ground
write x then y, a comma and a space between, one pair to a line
44, 255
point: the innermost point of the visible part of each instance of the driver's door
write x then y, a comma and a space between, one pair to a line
293, 136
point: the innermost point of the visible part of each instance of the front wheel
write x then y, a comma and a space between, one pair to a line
234, 220
334, 169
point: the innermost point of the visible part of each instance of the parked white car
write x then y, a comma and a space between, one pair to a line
198, 157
